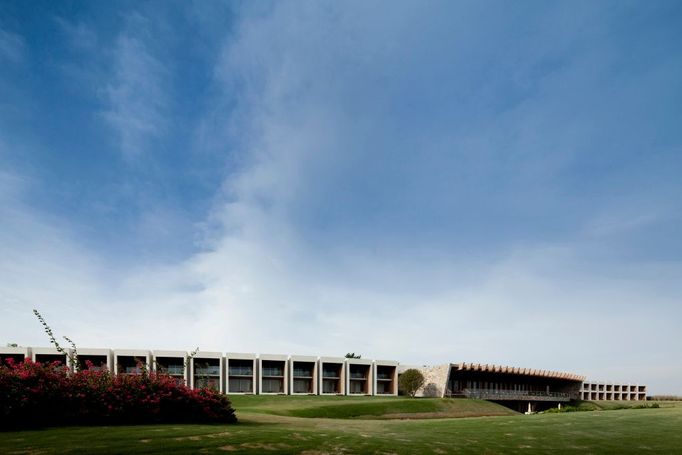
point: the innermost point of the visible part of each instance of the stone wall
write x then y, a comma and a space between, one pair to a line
435, 380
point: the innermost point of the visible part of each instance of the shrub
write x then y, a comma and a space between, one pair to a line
40, 394
410, 381
665, 398
566, 408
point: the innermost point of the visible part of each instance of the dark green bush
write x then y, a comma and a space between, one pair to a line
35, 394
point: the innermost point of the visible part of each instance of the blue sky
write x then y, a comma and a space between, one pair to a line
432, 182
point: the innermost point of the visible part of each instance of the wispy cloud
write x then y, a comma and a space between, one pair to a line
79, 35
137, 93
12, 47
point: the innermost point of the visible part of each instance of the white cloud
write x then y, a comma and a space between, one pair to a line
80, 35
12, 47
137, 93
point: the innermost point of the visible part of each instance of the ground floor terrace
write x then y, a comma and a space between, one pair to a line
498, 383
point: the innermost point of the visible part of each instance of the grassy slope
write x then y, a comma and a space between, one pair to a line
621, 431
367, 408
611, 405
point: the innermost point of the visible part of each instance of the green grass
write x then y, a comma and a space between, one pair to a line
267, 426
367, 408
611, 405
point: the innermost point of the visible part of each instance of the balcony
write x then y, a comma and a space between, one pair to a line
303, 386
240, 371
211, 370
131, 370
384, 388
302, 373
240, 385
358, 388
173, 370
331, 374
207, 383
273, 372
270, 385
331, 386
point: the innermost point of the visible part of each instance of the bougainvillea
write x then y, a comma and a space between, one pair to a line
39, 394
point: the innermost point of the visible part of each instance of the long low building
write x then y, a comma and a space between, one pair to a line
233, 373
612, 391
276, 374
527, 389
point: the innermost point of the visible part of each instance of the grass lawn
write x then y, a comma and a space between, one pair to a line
317, 425
366, 407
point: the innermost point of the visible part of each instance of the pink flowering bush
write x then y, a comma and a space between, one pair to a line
38, 394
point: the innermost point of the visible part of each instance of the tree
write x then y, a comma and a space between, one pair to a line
410, 381
351, 355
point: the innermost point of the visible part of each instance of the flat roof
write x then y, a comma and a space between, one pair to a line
359, 361
178, 354
11, 350
517, 370
208, 355
276, 357
303, 358
240, 356
95, 351
131, 352
49, 351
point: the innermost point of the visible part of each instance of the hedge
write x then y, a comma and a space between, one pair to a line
47, 394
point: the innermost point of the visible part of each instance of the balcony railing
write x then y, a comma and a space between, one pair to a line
207, 371
132, 370
173, 369
357, 375
330, 374
241, 371
273, 372
303, 373
384, 376
514, 395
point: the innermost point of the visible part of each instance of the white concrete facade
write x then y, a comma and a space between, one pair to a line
207, 369
612, 391
303, 375
332, 376
241, 373
132, 361
385, 378
18, 354
172, 363
359, 377
236, 373
273, 374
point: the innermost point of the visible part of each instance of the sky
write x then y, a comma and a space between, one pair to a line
430, 182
